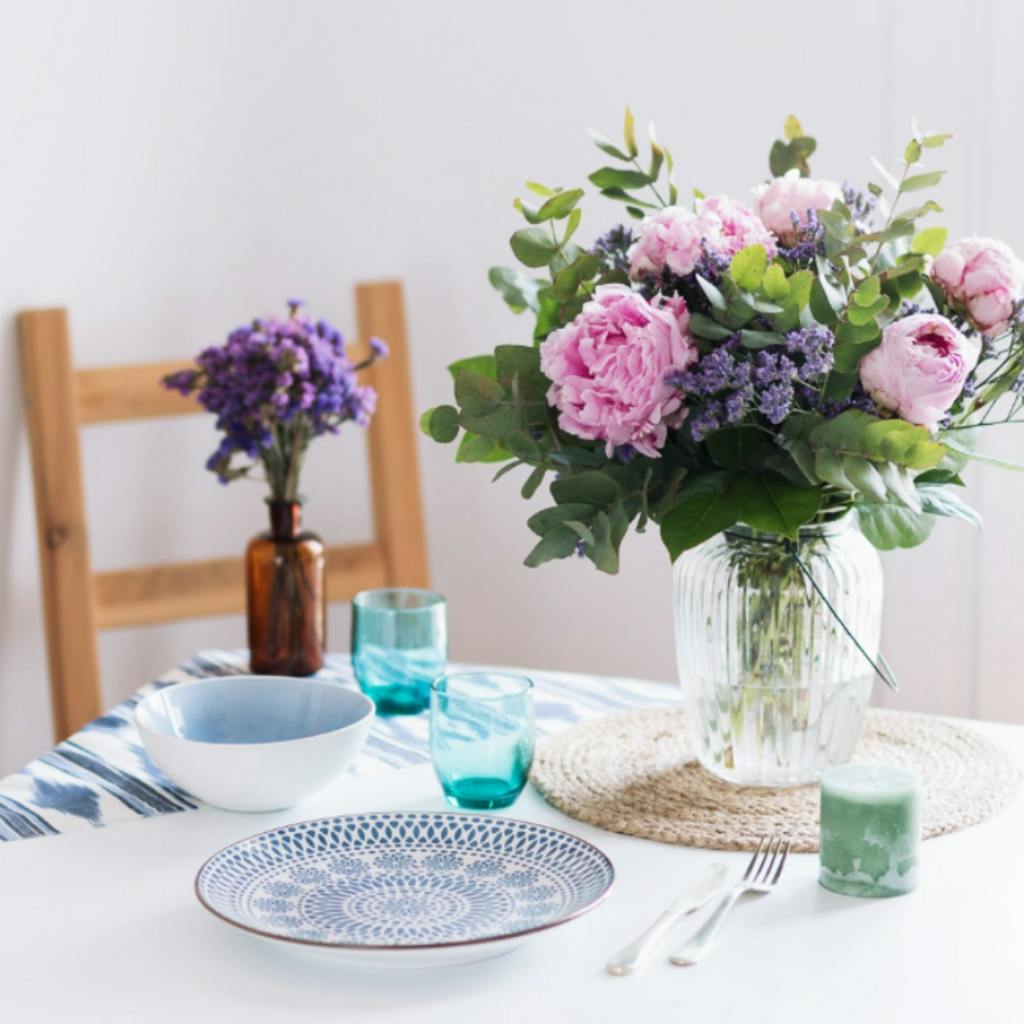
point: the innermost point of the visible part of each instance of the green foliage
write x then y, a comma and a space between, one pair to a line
792, 151
705, 506
715, 501
622, 183
748, 267
897, 476
930, 241
889, 526
533, 247
518, 290
957, 443
869, 458
768, 501
441, 423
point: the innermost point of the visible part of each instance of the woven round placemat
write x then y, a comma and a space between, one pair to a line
635, 773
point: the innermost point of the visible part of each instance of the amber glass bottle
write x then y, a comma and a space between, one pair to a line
284, 576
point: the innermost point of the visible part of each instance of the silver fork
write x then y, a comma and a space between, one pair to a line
761, 876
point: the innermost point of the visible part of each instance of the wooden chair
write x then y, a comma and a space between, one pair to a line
76, 602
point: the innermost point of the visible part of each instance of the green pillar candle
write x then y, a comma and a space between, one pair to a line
870, 830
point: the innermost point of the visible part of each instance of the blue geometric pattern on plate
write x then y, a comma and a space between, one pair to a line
404, 880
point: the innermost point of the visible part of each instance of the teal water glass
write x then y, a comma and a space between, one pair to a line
399, 646
481, 737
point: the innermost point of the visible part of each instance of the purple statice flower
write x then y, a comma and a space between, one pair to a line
625, 453
731, 383
861, 204
858, 399
274, 385
737, 405
813, 346
808, 238
706, 420
775, 402
613, 248
711, 264
911, 309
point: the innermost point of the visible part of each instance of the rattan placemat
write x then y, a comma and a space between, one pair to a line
635, 773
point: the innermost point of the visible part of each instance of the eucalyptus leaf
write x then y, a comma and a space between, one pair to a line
760, 339
774, 283
614, 177
607, 146
559, 543
518, 290
560, 205
704, 327
484, 365
533, 481
919, 181
888, 526
930, 241
941, 502
533, 247
441, 423
591, 486
748, 267
600, 550
547, 519
989, 460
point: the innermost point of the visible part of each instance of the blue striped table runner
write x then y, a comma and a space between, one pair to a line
101, 774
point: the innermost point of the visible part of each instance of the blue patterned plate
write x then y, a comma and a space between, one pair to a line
406, 888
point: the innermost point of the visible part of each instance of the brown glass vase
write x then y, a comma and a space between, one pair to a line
284, 578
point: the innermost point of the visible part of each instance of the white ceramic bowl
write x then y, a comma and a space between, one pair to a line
254, 743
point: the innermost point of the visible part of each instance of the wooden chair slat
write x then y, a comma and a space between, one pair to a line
394, 469
109, 393
51, 415
216, 586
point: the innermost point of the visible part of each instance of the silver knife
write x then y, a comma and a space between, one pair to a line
696, 894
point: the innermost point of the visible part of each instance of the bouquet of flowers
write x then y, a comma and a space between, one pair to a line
274, 385
777, 362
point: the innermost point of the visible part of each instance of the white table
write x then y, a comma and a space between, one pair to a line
103, 926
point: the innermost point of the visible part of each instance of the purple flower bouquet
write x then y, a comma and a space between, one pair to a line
274, 385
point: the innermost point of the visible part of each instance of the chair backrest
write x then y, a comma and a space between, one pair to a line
59, 399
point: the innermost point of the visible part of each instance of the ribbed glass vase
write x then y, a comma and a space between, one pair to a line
774, 689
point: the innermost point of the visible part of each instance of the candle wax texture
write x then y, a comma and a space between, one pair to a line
870, 830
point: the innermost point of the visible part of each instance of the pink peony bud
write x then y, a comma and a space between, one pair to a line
777, 202
920, 368
982, 278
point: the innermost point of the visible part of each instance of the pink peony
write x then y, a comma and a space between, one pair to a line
607, 369
779, 200
666, 238
730, 226
920, 367
983, 278
674, 238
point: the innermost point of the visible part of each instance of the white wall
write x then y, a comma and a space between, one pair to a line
171, 167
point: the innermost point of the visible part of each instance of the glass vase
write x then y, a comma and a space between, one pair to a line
774, 689
284, 576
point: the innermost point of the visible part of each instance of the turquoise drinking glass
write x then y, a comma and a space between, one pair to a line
481, 737
399, 646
